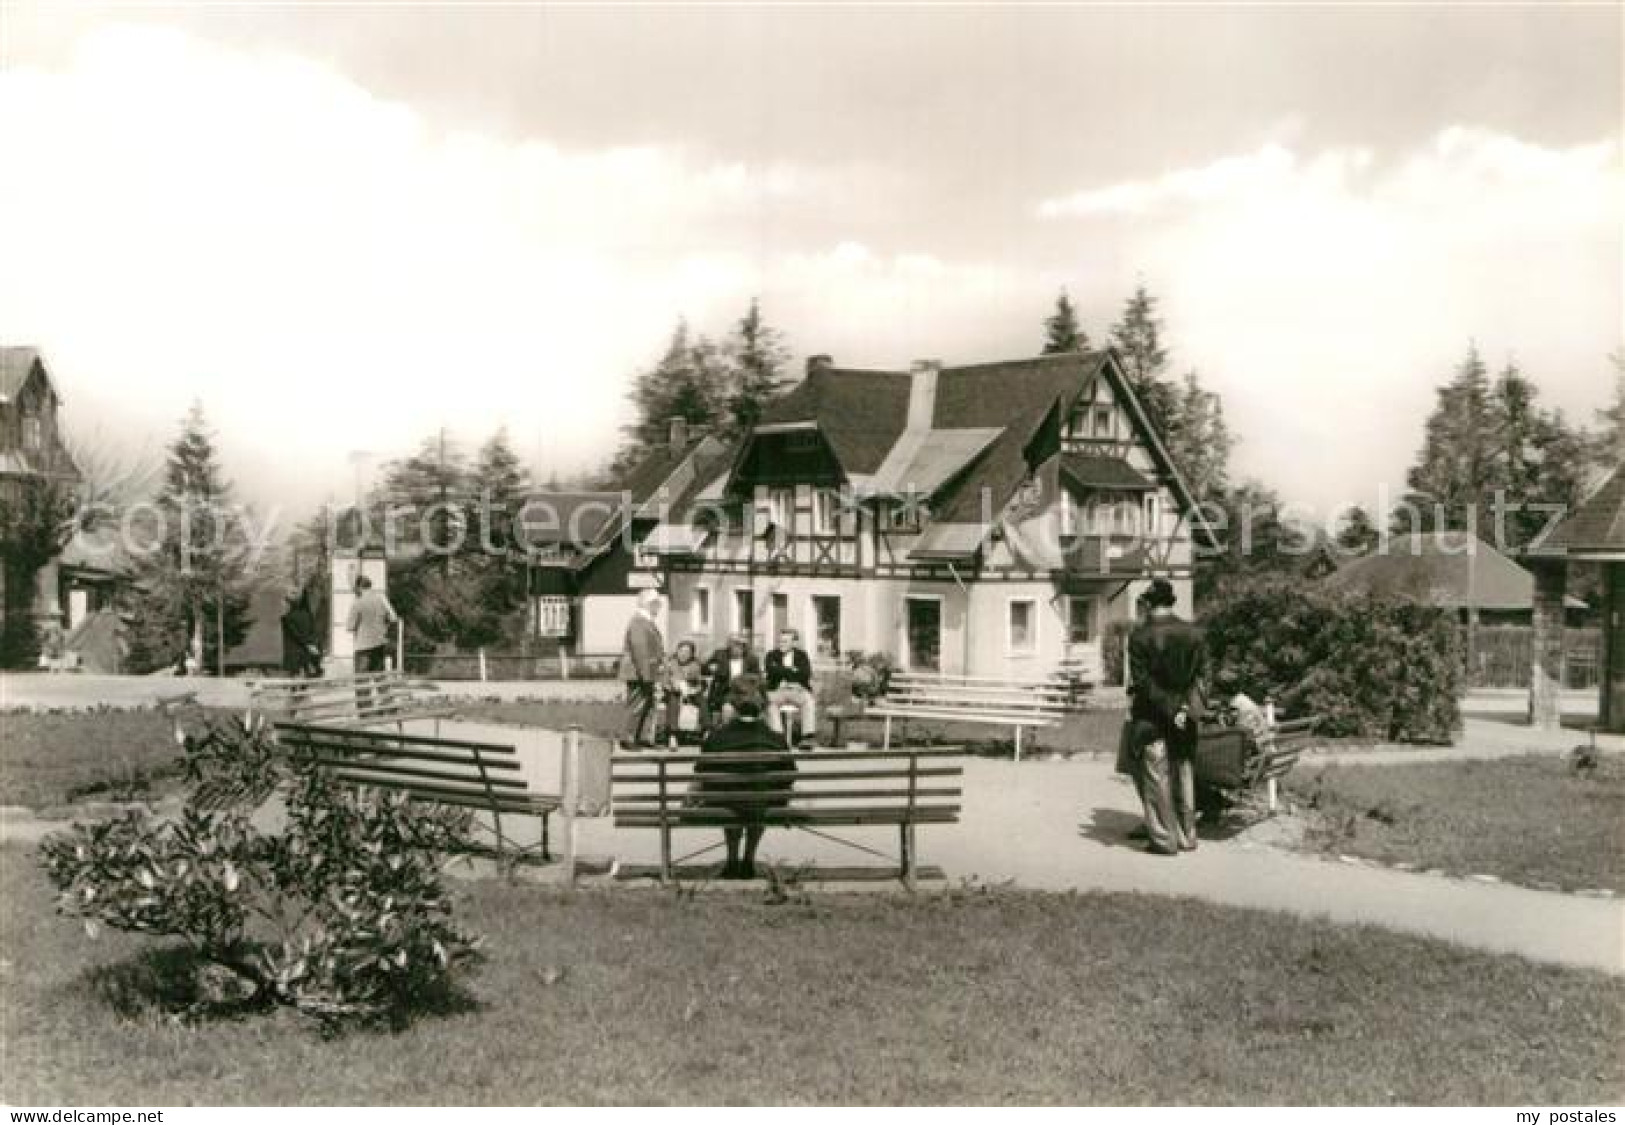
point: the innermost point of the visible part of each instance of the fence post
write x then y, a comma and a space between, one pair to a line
564, 662
570, 790
482, 665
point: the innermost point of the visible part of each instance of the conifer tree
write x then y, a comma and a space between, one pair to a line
1062, 332
193, 580
757, 355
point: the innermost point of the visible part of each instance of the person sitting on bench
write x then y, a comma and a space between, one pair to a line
725, 666
745, 733
789, 685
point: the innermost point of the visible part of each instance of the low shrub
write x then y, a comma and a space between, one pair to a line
340, 916
871, 674
1370, 667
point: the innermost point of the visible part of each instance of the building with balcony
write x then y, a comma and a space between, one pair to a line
992, 519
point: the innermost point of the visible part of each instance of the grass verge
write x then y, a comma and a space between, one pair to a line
961, 997
50, 758
1530, 820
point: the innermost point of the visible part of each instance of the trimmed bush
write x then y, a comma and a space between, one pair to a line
1371, 667
340, 916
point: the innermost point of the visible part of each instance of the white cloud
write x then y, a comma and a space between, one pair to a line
327, 270
1327, 294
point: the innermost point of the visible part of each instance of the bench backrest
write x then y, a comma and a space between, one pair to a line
831, 787
447, 771
1038, 698
373, 697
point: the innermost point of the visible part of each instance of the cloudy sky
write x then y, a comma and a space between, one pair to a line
342, 227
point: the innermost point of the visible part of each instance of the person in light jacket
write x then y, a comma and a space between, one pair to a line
643, 659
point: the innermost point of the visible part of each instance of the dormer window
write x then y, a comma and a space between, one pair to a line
1102, 422
826, 511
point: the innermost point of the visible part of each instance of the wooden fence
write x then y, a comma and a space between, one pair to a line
1504, 653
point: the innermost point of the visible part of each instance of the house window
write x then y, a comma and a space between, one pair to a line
702, 610
826, 511
827, 625
1103, 422
1126, 514
1080, 620
33, 432
902, 518
778, 616
1069, 514
552, 617
1023, 636
1153, 514
781, 509
744, 610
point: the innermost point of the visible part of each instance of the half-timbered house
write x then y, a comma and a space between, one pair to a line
980, 520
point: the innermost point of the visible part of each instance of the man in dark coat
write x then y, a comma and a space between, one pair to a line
301, 650
1167, 659
725, 666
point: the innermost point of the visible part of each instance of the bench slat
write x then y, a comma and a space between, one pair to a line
359, 754
651, 778
387, 737
867, 756
1005, 719
766, 795
471, 776
788, 818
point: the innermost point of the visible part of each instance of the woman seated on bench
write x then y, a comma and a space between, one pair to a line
745, 733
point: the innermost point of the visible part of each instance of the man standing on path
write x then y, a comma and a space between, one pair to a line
643, 655
1167, 658
371, 619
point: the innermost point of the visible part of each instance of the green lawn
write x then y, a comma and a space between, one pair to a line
623, 995
49, 758
1528, 820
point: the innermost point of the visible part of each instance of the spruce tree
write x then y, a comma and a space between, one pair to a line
502, 483
1451, 481
691, 382
1062, 332
193, 580
757, 356
1358, 533
1137, 336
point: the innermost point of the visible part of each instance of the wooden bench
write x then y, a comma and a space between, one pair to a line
362, 700
442, 771
827, 789
975, 699
1230, 760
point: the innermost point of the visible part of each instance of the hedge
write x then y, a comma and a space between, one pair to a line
1370, 667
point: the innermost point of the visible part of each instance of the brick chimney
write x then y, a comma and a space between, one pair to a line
922, 392
818, 362
677, 432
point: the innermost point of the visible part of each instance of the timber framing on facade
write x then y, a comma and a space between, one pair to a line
988, 519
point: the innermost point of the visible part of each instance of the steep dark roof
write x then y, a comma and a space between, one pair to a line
990, 394
861, 413
576, 519
16, 364
1437, 568
644, 479
1597, 526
